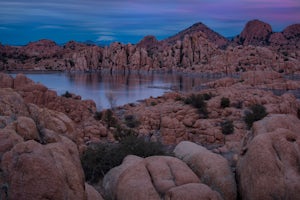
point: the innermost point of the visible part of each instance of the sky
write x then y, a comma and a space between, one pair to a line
128, 21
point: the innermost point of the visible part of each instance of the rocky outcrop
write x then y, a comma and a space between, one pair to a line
155, 177
273, 122
212, 36
71, 116
170, 120
38, 167
255, 32
38, 157
41, 48
268, 165
292, 32
212, 169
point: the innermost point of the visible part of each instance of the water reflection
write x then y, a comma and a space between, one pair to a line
123, 87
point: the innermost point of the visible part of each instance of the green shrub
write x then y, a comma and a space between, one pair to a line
67, 94
207, 96
257, 112
98, 115
72, 63
153, 103
122, 132
131, 121
227, 127
134, 145
37, 59
225, 102
198, 102
179, 98
98, 159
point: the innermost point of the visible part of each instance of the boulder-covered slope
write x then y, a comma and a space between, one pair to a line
43, 135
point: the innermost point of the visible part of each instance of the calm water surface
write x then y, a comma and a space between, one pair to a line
123, 88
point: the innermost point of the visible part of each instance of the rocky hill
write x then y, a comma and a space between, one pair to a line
255, 33
211, 35
195, 49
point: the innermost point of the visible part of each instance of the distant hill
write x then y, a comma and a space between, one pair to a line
212, 36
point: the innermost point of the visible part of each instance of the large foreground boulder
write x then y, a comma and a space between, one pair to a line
212, 168
275, 121
269, 165
38, 159
35, 171
155, 177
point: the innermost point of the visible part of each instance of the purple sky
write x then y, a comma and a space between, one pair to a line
22, 21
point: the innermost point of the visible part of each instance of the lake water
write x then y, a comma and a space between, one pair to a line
120, 87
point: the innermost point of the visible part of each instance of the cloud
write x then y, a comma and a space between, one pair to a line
106, 38
4, 28
50, 27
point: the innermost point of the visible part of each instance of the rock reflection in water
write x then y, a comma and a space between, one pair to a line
123, 87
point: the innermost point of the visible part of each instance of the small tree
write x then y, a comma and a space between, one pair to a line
110, 119
111, 99
67, 94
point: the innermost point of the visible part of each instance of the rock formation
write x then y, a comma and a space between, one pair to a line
170, 120
255, 33
195, 49
269, 165
39, 158
69, 116
156, 177
212, 169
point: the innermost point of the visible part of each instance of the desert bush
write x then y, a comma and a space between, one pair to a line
122, 132
98, 115
98, 159
67, 94
131, 121
72, 63
134, 145
227, 127
207, 96
198, 102
257, 112
225, 102
109, 118
153, 103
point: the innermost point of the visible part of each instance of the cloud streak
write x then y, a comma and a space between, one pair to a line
129, 20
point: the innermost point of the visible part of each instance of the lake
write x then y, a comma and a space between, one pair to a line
122, 88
